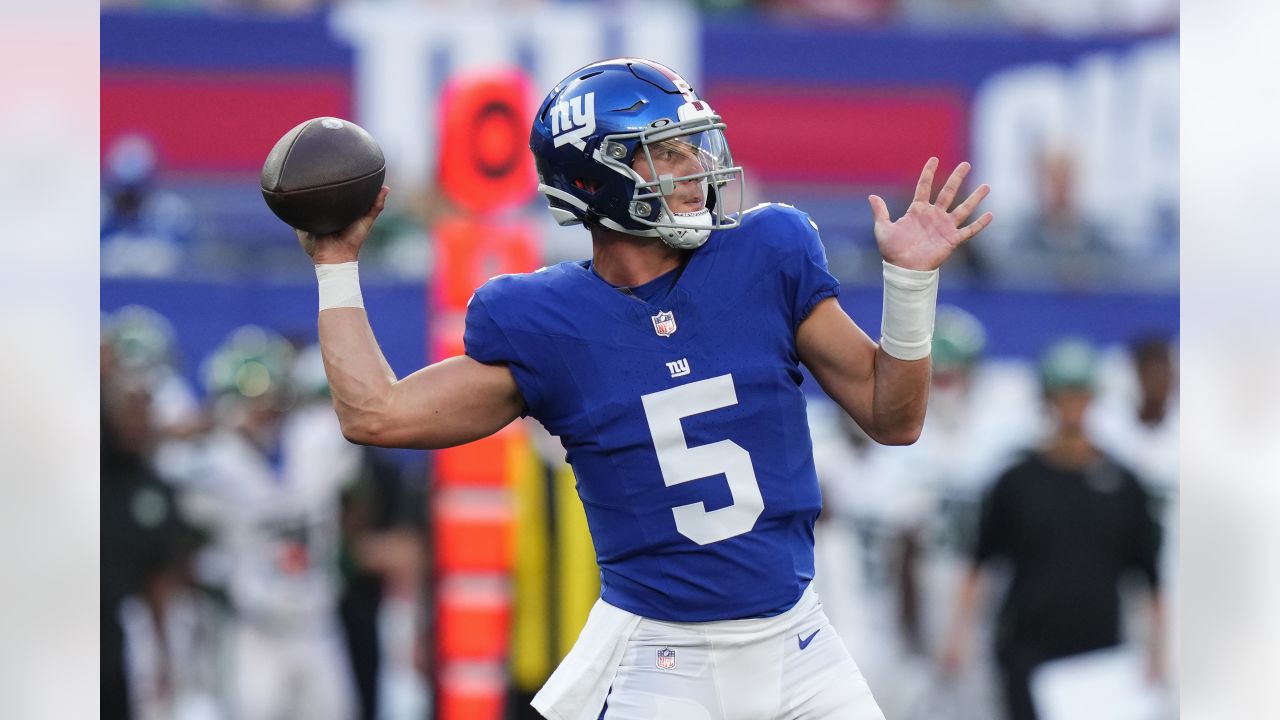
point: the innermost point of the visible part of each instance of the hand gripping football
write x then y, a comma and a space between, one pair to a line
323, 175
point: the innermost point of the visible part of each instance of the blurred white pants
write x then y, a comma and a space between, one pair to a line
303, 673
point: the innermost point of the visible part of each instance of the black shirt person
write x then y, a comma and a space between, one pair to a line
1072, 524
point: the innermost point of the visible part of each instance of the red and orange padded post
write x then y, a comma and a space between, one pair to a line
485, 163
485, 169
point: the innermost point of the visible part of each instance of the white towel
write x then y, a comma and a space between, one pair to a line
578, 688
1105, 684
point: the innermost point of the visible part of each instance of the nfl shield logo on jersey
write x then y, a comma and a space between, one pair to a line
664, 323
666, 658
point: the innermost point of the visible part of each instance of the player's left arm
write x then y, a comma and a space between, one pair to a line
884, 395
885, 387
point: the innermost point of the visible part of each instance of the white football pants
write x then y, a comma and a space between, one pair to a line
789, 667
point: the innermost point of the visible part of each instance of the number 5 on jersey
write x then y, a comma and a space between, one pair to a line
680, 463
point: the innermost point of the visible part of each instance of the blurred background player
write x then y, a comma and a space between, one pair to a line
980, 417
268, 493
144, 343
915, 510
381, 539
864, 500
142, 540
1137, 423
1071, 524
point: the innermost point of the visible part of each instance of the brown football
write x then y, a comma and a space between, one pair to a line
323, 175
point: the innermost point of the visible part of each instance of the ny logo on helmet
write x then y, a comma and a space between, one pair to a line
573, 120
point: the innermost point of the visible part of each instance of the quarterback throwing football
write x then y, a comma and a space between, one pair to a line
669, 366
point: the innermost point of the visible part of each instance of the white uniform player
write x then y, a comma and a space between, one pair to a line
862, 494
275, 523
1136, 422
923, 499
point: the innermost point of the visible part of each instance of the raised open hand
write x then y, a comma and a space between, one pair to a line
344, 245
924, 237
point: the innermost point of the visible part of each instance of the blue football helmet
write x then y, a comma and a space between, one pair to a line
597, 123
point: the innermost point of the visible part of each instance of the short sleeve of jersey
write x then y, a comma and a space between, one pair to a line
806, 268
485, 341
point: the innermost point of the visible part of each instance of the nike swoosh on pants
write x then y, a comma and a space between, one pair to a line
804, 643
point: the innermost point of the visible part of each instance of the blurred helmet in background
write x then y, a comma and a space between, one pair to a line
252, 364
602, 118
140, 342
958, 339
140, 338
1069, 364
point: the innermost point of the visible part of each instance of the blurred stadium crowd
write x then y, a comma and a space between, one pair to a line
255, 564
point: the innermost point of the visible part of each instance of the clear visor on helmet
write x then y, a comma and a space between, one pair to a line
700, 157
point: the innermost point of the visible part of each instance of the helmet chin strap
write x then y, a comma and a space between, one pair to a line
698, 228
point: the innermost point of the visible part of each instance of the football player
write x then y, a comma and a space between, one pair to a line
669, 366
266, 486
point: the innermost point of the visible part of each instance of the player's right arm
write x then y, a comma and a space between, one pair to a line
449, 403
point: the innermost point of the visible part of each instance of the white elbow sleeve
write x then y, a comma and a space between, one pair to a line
339, 285
910, 299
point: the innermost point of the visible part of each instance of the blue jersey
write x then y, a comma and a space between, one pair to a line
680, 409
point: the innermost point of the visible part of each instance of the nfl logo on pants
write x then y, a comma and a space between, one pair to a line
666, 658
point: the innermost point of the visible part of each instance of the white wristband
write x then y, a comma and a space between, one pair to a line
339, 285
910, 299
